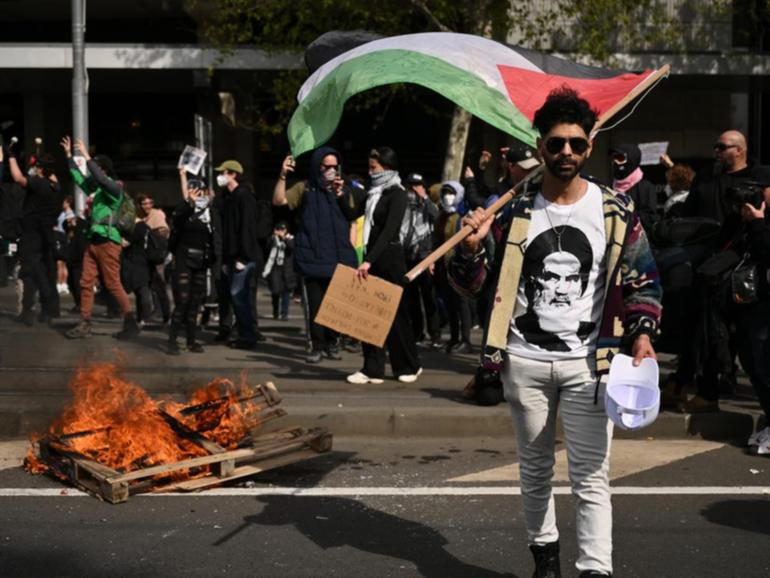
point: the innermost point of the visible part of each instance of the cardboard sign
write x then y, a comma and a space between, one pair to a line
652, 151
363, 309
191, 159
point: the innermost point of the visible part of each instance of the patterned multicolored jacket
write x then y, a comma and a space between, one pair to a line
632, 289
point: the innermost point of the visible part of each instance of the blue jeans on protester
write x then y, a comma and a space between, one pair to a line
240, 295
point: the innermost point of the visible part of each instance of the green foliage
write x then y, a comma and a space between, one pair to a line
278, 25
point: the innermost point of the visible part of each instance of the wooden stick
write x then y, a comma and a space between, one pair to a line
504, 199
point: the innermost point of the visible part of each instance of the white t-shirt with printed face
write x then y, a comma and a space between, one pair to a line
561, 290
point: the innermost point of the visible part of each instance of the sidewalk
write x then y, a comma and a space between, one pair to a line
36, 364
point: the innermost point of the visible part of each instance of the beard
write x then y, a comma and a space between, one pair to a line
564, 169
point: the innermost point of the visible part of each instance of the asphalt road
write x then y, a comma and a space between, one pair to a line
408, 507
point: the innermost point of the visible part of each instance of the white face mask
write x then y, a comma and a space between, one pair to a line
32, 172
222, 180
201, 202
448, 201
329, 175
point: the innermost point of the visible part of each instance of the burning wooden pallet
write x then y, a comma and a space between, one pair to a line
212, 465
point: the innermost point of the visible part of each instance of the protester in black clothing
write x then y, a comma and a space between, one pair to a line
246, 223
11, 209
417, 239
753, 318
383, 208
75, 229
711, 362
135, 271
279, 270
518, 160
196, 244
37, 250
628, 178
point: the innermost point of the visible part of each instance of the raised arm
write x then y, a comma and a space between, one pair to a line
183, 183
279, 191
16, 174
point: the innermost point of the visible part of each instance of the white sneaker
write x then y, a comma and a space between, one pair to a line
411, 377
359, 377
759, 436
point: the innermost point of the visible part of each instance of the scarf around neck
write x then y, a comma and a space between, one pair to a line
380, 182
622, 185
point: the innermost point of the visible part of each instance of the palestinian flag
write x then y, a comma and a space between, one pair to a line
500, 84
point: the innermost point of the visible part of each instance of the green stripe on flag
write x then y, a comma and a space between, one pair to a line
317, 117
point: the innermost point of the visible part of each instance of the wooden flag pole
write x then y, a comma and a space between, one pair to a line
506, 198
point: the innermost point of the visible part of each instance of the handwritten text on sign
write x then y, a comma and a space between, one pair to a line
363, 309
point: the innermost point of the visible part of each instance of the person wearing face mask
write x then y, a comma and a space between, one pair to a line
417, 238
246, 224
628, 178
322, 240
384, 207
37, 247
457, 307
196, 244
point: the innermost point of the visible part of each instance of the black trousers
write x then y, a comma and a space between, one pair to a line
321, 337
38, 269
419, 294
189, 287
458, 309
400, 343
160, 291
753, 335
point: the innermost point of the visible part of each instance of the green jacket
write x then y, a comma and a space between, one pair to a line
106, 195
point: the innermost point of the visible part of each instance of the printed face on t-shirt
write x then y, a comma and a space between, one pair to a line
557, 287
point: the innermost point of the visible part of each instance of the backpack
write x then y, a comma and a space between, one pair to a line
155, 247
124, 218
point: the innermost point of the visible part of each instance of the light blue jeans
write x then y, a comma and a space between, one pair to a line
535, 390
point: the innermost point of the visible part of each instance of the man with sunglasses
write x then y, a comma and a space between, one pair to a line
576, 248
710, 198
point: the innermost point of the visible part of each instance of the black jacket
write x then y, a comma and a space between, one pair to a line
246, 225
708, 197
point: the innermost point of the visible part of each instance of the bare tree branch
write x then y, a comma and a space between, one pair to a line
422, 7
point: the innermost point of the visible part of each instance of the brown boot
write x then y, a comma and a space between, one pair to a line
698, 404
671, 394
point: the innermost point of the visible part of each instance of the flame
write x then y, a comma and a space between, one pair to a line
116, 423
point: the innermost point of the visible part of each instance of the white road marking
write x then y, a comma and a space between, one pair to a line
401, 492
626, 458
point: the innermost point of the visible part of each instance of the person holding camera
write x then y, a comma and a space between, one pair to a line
751, 294
322, 240
196, 244
720, 197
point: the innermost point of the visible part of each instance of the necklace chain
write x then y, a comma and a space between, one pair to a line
563, 226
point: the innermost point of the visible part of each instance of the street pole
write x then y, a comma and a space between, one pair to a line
79, 86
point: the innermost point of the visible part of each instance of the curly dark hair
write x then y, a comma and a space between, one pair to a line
563, 105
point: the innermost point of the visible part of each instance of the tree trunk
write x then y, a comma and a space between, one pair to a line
458, 138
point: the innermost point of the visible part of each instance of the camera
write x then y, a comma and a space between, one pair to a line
748, 192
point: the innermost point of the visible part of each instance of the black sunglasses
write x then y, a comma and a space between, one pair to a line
555, 144
722, 147
327, 167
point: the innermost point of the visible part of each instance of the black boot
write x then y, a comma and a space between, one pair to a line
547, 563
172, 347
192, 345
130, 328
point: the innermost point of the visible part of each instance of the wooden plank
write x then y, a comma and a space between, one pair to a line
241, 472
184, 464
192, 435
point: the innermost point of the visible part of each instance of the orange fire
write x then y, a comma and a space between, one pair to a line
116, 423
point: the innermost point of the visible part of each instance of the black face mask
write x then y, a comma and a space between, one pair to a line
620, 172
633, 160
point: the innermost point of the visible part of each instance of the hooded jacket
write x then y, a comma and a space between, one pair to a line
323, 236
